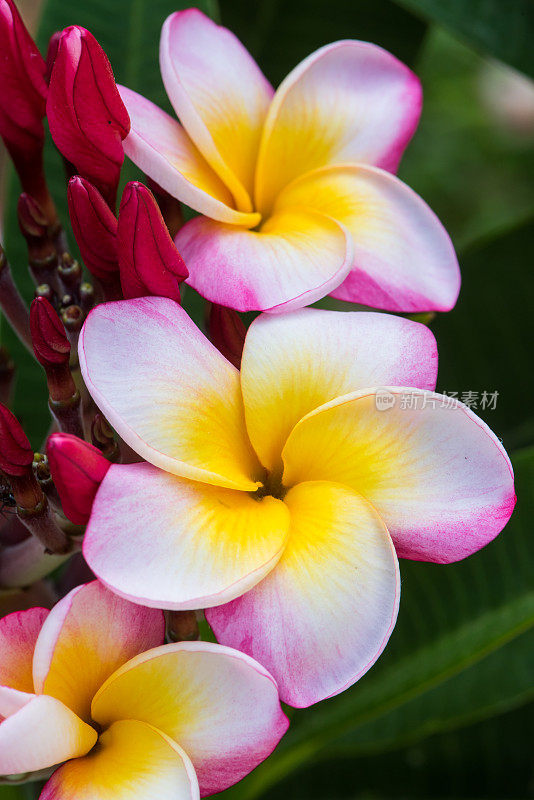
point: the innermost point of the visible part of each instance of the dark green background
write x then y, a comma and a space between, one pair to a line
447, 711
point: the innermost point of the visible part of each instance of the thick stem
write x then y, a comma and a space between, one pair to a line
68, 414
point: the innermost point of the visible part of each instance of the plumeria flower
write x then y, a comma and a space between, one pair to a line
294, 186
92, 685
279, 497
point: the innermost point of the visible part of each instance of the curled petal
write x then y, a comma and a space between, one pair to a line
18, 634
324, 614
85, 638
297, 257
221, 706
436, 474
219, 94
132, 760
347, 102
87, 117
44, 732
213, 544
149, 262
168, 392
293, 363
403, 257
77, 470
159, 146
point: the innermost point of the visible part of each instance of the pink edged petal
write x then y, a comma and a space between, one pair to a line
132, 761
86, 637
18, 635
12, 700
220, 705
42, 733
293, 363
404, 259
159, 146
166, 542
322, 617
167, 391
349, 101
219, 93
436, 474
296, 258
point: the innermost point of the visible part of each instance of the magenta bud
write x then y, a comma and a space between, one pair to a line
95, 228
227, 332
87, 117
50, 343
16, 454
149, 262
22, 101
77, 469
51, 54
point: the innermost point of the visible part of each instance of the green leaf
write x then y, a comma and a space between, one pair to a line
279, 35
485, 342
453, 620
129, 31
501, 29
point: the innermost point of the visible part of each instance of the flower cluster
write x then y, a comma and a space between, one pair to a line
263, 479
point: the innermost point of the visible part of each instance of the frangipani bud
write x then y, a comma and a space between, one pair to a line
227, 332
95, 229
149, 262
16, 454
87, 117
78, 469
23, 102
50, 343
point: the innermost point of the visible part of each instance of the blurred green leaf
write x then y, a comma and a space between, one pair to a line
485, 342
472, 164
501, 29
452, 619
490, 759
128, 30
279, 35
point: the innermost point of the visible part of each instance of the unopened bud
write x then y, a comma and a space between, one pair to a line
16, 454
78, 469
22, 102
149, 262
87, 117
227, 332
95, 229
50, 343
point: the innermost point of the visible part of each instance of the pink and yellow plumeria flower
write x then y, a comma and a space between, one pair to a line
295, 186
280, 493
91, 684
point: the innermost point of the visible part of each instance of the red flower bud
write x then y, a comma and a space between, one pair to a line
87, 117
16, 454
227, 332
50, 343
22, 101
95, 229
77, 469
51, 54
149, 262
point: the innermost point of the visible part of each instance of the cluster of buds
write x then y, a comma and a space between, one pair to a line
125, 253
